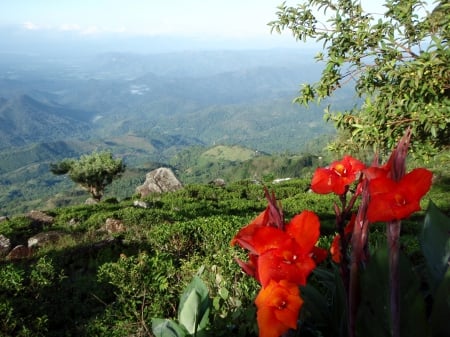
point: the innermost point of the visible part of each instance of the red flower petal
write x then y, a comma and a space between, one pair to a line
390, 200
285, 263
418, 182
335, 249
266, 238
305, 229
337, 177
323, 181
278, 306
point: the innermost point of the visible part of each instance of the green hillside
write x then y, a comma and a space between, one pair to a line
87, 281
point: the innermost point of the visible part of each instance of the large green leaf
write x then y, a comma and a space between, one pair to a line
441, 309
167, 328
325, 309
194, 307
374, 313
435, 242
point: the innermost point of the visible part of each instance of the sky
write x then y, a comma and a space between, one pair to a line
226, 18
239, 20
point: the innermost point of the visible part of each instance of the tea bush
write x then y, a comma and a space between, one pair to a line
96, 284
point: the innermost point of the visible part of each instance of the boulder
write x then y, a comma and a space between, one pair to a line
140, 204
39, 219
91, 201
158, 181
114, 226
43, 238
219, 182
5, 245
20, 252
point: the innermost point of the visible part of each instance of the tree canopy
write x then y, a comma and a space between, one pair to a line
398, 62
94, 171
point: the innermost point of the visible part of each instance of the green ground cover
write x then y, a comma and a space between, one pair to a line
91, 283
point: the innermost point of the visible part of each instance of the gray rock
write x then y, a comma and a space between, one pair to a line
158, 181
5, 245
219, 182
140, 203
91, 201
114, 226
43, 238
39, 219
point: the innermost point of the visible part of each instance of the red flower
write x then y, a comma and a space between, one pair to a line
337, 176
336, 245
245, 235
288, 262
288, 255
275, 254
335, 249
278, 307
391, 200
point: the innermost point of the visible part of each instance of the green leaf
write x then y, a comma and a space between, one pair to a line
435, 242
326, 309
167, 328
194, 306
441, 309
374, 306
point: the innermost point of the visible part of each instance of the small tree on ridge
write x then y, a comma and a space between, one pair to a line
93, 172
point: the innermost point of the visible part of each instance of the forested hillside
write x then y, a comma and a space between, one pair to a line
149, 109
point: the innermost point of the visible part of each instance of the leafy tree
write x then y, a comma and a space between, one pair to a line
93, 172
398, 63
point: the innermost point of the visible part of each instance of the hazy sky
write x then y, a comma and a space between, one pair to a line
226, 18
223, 18
228, 23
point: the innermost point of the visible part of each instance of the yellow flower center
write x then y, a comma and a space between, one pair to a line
288, 257
400, 200
340, 169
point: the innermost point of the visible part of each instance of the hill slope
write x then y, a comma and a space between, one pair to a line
24, 119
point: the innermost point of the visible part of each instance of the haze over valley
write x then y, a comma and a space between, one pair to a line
151, 100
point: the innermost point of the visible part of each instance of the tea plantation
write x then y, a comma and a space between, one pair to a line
93, 281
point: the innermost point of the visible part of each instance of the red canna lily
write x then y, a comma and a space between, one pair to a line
335, 249
288, 262
278, 254
249, 267
290, 254
391, 200
336, 177
336, 245
278, 307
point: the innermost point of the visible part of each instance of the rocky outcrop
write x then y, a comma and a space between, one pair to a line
39, 219
219, 182
5, 245
113, 226
91, 201
158, 181
140, 204
20, 252
44, 238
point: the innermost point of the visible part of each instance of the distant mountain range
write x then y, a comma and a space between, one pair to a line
148, 108
25, 120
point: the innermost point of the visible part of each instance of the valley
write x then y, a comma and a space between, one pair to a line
151, 110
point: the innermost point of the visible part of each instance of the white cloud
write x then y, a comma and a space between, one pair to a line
69, 27
91, 30
30, 25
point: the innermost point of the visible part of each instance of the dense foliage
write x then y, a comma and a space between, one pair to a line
93, 172
397, 60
